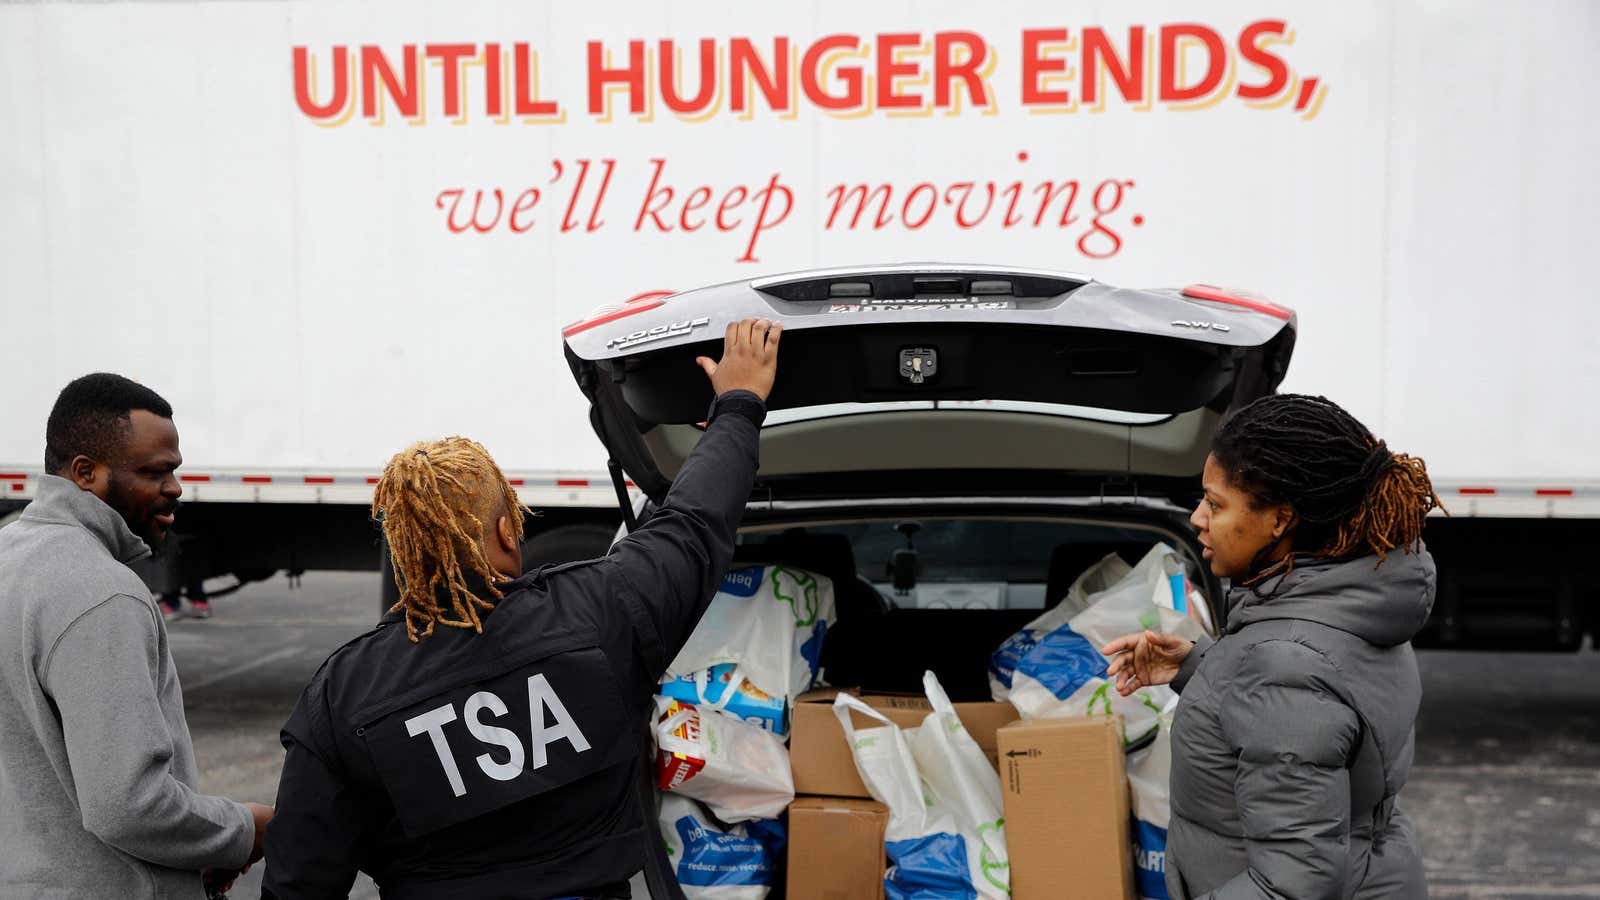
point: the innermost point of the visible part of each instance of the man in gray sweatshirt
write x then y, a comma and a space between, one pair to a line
97, 771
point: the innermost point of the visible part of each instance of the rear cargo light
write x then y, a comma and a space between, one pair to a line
1237, 298
642, 303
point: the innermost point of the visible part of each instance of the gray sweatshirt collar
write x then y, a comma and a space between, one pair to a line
64, 503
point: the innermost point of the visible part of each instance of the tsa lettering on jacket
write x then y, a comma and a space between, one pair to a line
541, 697
546, 719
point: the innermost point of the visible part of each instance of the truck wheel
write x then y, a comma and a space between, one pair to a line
566, 543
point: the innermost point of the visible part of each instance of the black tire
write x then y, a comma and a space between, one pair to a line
566, 543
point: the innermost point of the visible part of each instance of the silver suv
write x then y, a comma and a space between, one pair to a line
951, 444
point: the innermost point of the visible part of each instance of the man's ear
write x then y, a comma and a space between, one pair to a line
507, 534
85, 473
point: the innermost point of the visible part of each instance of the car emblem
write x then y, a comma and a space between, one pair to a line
658, 333
1202, 326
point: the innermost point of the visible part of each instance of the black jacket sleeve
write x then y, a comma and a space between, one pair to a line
668, 570
312, 839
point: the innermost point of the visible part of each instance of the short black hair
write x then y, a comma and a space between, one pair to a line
92, 417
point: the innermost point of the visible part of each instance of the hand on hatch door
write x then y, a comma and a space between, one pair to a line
749, 358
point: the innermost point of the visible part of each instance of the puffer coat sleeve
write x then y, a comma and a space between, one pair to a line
1294, 738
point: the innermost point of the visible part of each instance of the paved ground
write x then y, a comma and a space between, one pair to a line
1506, 790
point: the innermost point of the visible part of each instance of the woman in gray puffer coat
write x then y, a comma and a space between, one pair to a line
1294, 732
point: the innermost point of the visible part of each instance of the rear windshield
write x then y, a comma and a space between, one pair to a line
967, 563
966, 585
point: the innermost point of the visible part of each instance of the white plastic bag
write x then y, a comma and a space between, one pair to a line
946, 832
1050, 669
738, 770
1111, 569
1003, 662
769, 621
1149, 771
711, 862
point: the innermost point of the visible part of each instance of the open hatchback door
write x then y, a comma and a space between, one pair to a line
961, 379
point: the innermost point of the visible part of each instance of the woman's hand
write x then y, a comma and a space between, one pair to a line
1145, 659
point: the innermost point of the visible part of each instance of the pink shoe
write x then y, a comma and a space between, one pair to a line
200, 609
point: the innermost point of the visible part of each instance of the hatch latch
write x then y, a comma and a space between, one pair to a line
917, 364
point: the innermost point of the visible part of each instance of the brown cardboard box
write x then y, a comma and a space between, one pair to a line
836, 849
1066, 792
821, 759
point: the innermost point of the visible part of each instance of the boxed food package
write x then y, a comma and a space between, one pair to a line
820, 757
836, 848
724, 688
1066, 797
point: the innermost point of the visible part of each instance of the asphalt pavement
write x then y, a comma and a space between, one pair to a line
1505, 791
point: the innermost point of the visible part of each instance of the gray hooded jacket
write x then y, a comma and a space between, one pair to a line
1294, 736
97, 772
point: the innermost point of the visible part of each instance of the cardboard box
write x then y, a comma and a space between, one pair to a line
820, 757
836, 849
1066, 793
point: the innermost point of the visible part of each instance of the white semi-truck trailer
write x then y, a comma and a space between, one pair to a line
325, 231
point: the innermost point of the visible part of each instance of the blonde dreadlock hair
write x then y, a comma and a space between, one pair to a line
438, 502
1350, 494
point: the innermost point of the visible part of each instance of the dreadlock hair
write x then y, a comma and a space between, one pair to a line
438, 502
1350, 494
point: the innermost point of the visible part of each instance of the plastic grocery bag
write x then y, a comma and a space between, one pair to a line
738, 770
1148, 773
1003, 662
769, 621
712, 862
1051, 669
1101, 576
946, 832
725, 689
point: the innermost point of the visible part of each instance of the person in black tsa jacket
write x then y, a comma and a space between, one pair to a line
483, 741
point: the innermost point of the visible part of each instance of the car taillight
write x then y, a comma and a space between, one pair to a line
1237, 298
642, 303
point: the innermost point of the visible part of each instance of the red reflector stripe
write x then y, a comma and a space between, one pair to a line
572, 482
19, 487
257, 479
516, 482
13, 476
318, 479
1478, 492
372, 480
194, 477
641, 303
1554, 492
1218, 295
630, 484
